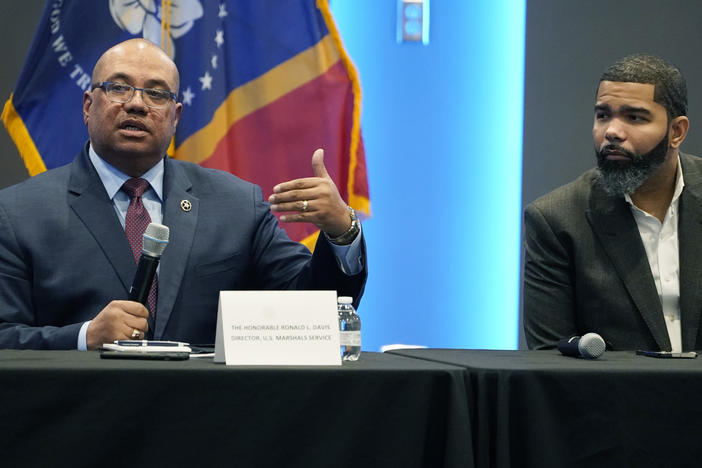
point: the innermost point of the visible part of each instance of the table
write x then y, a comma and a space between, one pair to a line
542, 409
73, 408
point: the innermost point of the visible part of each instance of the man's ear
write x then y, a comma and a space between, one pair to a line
178, 112
87, 102
678, 130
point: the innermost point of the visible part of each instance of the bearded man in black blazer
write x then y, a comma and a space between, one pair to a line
618, 251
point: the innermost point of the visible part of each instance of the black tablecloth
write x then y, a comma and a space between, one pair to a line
542, 409
70, 408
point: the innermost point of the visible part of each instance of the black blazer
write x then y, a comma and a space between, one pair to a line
586, 269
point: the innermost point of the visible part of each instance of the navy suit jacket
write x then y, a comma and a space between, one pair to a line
64, 254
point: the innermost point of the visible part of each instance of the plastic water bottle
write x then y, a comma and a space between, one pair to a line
349, 329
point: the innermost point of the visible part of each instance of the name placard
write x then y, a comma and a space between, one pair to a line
262, 328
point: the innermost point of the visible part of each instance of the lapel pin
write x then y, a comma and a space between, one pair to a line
185, 205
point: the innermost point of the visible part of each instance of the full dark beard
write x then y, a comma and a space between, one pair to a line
621, 177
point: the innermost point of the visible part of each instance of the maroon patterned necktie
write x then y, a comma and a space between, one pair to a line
135, 224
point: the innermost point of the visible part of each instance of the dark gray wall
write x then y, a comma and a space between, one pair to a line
18, 19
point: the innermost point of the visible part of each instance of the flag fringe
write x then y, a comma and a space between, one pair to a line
165, 25
23, 140
357, 201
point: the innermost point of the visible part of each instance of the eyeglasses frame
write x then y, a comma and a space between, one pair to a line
103, 85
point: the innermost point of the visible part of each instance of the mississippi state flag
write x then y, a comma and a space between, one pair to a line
263, 84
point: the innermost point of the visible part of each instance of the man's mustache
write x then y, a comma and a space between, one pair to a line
613, 148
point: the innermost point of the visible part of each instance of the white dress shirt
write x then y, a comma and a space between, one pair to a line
661, 243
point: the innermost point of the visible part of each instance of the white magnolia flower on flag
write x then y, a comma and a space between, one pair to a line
144, 16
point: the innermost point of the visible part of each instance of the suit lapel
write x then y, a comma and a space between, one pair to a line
690, 247
615, 227
182, 223
90, 203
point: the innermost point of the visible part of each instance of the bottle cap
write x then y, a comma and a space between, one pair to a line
344, 300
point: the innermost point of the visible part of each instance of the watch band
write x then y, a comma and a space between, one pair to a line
347, 237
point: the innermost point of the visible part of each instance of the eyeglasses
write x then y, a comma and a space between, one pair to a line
123, 93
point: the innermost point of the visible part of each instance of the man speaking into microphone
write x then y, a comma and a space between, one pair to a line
71, 238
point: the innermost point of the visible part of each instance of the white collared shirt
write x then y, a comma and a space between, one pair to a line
661, 243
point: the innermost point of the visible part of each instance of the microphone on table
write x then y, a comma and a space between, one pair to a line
589, 346
155, 241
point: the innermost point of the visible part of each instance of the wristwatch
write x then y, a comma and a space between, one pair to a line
347, 237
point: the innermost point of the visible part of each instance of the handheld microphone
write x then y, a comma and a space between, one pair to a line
155, 241
589, 346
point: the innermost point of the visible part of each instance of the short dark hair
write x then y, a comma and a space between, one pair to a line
670, 89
